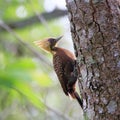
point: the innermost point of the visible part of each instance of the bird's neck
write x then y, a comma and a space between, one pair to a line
53, 50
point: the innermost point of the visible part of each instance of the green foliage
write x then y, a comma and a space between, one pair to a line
18, 74
39, 31
26, 86
10, 8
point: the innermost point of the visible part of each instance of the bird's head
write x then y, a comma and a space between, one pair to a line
48, 44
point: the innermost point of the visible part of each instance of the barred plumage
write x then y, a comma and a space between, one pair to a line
64, 63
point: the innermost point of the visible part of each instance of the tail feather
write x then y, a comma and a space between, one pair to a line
78, 99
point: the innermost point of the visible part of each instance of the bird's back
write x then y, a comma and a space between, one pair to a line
63, 61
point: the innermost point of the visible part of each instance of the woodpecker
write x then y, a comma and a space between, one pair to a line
64, 66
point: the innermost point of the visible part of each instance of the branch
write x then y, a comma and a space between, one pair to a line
35, 19
7, 111
34, 51
63, 116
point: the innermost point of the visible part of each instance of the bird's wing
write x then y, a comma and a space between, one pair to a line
71, 77
68, 69
59, 69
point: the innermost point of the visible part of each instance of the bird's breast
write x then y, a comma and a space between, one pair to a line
63, 65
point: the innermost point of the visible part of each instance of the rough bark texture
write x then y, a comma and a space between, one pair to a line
95, 28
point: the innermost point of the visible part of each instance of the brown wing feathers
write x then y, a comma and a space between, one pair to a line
58, 66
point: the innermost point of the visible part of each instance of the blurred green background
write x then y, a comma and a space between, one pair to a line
29, 88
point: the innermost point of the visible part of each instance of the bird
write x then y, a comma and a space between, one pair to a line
64, 65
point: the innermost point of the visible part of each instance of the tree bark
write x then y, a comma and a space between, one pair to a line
95, 28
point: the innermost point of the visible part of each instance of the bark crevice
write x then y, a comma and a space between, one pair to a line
95, 28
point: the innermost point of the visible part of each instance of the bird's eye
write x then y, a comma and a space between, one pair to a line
52, 41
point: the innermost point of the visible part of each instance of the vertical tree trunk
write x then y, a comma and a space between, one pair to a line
95, 28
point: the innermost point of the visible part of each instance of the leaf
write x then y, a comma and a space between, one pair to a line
17, 76
42, 78
13, 82
25, 90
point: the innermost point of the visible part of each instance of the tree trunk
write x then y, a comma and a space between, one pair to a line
95, 28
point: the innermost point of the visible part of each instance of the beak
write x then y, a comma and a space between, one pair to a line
57, 39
